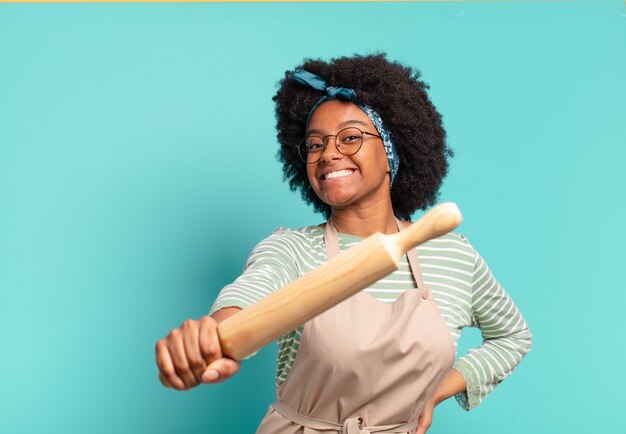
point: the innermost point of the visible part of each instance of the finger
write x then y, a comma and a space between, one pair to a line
220, 370
179, 357
164, 381
423, 424
192, 349
210, 347
166, 366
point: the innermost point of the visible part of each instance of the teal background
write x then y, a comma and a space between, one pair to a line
137, 171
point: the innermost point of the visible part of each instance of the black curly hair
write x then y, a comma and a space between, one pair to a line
397, 94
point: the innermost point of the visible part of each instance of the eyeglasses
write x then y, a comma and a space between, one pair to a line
348, 142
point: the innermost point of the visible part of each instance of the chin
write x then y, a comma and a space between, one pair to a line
338, 201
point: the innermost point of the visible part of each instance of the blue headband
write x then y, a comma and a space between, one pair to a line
346, 94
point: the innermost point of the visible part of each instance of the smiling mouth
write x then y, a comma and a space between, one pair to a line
337, 174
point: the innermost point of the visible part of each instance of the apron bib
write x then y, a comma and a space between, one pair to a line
364, 366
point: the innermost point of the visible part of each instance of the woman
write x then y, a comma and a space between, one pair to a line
364, 145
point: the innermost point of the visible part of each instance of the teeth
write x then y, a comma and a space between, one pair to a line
337, 174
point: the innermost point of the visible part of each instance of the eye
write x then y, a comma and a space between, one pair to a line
350, 139
315, 146
350, 136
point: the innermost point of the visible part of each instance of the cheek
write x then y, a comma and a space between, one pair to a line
375, 163
381, 160
310, 172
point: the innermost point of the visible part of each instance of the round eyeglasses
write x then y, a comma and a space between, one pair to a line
348, 142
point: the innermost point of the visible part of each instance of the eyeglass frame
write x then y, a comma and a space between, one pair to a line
337, 145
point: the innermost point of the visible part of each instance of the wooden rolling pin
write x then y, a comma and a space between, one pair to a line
322, 288
353, 270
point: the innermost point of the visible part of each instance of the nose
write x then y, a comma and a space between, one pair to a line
330, 151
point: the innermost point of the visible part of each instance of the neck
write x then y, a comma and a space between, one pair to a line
363, 222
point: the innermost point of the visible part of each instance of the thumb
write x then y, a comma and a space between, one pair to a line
220, 370
424, 421
419, 429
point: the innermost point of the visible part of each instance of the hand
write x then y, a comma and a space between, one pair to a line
451, 384
191, 355
425, 418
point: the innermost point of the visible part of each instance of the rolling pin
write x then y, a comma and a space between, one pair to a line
322, 288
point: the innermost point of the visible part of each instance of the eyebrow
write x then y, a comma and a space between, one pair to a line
341, 125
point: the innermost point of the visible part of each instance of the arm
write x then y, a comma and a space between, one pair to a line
506, 338
191, 354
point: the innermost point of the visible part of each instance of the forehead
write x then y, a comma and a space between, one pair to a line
334, 115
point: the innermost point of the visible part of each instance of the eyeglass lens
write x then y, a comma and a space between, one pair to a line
348, 142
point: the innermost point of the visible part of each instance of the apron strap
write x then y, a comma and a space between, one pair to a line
331, 239
352, 425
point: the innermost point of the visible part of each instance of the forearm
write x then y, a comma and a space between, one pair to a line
451, 384
224, 313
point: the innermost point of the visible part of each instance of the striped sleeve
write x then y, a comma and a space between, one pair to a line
506, 338
270, 266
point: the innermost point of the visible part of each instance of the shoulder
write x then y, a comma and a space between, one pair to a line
452, 245
303, 235
451, 239
291, 240
305, 232
299, 249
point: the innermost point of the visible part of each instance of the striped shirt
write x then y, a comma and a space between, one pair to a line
464, 289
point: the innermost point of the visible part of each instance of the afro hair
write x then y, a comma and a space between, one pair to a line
398, 95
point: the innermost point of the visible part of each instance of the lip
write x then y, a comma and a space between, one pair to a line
327, 170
